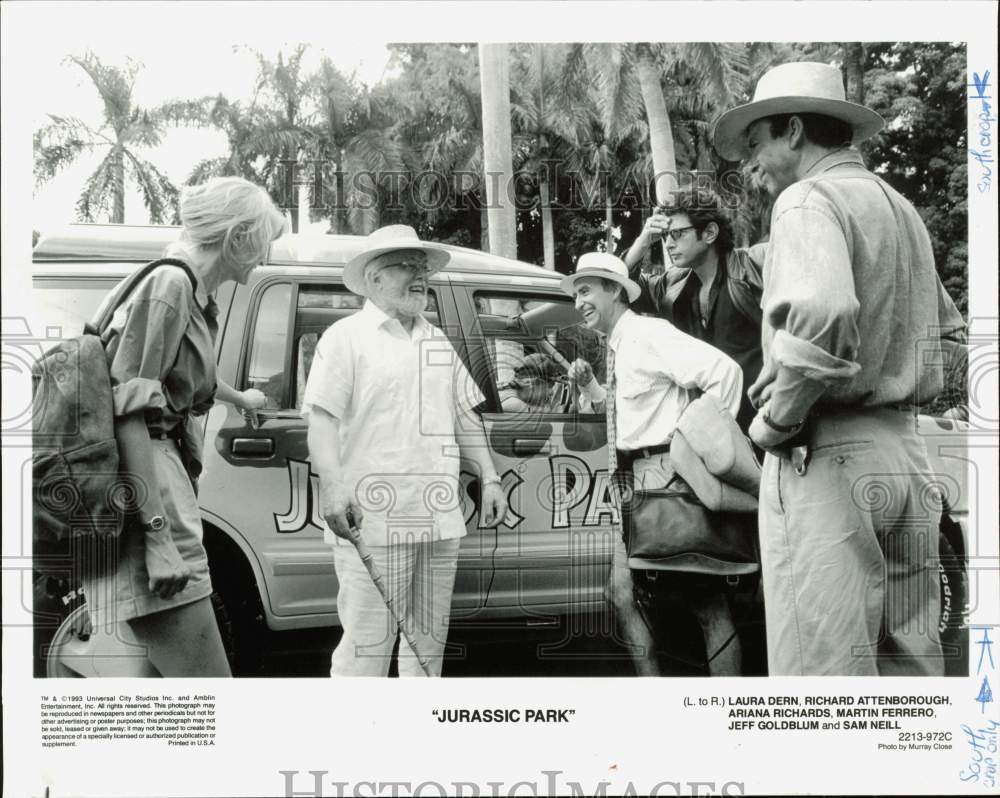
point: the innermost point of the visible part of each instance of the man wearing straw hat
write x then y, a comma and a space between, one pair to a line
654, 372
848, 518
388, 399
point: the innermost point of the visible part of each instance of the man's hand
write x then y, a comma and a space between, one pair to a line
494, 506
655, 228
766, 436
760, 392
168, 574
334, 502
580, 372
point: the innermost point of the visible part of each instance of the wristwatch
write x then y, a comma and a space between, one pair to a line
784, 429
494, 480
155, 524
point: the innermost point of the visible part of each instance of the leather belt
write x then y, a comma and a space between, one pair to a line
174, 434
631, 455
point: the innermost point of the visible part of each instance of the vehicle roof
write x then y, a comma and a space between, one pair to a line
114, 243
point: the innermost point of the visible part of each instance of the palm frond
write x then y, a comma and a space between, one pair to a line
97, 190
158, 193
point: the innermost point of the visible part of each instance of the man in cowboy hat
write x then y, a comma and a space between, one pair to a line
848, 526
654, 371
386, 400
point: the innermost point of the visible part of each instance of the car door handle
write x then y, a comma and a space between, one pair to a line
253, 447
523, 447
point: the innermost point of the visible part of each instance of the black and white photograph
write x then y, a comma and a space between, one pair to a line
629, 370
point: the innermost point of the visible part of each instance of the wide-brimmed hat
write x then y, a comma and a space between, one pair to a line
602, 264
799, 87
387, 239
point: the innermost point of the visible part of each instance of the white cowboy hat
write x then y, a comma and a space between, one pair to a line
601, 264
386, 239
798, 87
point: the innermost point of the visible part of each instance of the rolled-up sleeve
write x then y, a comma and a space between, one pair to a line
331, 378
146, 351
811, 296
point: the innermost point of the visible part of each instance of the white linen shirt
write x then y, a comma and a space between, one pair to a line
659, 371
399, 398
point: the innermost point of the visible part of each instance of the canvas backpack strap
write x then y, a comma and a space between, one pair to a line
106, 312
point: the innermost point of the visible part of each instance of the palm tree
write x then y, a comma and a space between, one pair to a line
126, 131
285, 93
440, 92
546, 122
357, 132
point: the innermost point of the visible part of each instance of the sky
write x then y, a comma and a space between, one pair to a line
227, 67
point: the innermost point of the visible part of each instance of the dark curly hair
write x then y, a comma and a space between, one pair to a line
702, 207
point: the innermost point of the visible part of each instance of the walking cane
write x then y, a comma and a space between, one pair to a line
376, 577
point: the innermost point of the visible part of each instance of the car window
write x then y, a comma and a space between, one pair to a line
267, 370
530, 342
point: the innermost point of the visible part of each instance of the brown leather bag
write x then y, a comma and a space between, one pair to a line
669, 529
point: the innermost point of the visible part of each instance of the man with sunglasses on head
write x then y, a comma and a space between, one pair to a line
387, 400
710, 291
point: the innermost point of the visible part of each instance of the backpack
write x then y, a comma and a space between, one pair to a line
79, 494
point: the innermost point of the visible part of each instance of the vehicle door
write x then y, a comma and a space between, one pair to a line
261, 482
551, 555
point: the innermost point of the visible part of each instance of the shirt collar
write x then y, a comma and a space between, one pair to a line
375, 317
845, 155
619, 329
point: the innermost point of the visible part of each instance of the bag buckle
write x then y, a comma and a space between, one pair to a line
733, 580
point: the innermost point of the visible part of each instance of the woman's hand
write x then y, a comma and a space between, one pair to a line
252, 399
168, 573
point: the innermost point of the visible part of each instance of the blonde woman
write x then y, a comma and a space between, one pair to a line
162, 362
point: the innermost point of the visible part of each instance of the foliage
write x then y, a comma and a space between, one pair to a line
127, 131
409, 150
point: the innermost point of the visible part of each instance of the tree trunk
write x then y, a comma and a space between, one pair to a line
118, 187
497, 159
484, 227
854, 78
548, 239
661, 137
609, 241
854, 72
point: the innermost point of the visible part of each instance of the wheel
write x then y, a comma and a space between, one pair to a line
237, 605
58, 610
67, 645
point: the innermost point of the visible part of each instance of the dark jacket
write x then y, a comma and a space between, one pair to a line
743, 280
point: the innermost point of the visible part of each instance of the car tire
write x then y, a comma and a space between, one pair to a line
237, 605
58, 619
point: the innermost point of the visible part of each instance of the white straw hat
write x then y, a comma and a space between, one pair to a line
602, 264
798, 87
387, 239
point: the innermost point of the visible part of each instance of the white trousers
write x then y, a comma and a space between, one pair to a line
420, 578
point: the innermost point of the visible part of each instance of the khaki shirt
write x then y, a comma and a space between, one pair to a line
161, 355
851, 293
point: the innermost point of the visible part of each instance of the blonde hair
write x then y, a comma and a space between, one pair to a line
233, 215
